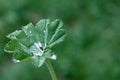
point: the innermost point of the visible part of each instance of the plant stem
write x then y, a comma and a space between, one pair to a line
50, 68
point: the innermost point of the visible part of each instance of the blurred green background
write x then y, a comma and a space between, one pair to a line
91, 50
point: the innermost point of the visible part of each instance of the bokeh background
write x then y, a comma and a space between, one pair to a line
91, 50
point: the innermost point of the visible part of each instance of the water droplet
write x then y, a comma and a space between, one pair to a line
39, 44
36, 44
26, 27
44, 31
16, 61
54, 57
37, 49
30, 32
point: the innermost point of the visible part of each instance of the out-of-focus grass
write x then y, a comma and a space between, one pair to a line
91, 50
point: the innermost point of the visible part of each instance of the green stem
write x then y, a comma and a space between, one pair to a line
52, 73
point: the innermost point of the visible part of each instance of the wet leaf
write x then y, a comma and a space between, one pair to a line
31, 42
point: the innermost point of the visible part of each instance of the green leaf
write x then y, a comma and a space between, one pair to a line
14, 34
21, 37
53, 29
41, 28
32, 42
20, 51
38, 61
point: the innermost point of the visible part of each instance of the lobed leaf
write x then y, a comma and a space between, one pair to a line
30, 43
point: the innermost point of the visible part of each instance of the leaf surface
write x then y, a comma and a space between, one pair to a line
32, 41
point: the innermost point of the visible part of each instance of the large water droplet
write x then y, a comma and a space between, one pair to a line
37, 49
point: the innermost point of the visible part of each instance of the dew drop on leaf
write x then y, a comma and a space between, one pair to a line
16, 61
54, 57
37, 49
